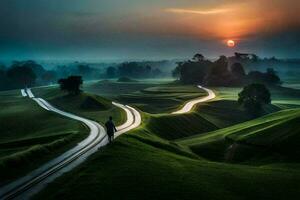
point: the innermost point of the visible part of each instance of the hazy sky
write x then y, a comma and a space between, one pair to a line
146, 29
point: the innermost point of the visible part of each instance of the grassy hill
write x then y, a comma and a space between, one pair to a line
28, 132
148, 163
141, 165
205, 117
281, 96
162, 99
85, 104
276, 135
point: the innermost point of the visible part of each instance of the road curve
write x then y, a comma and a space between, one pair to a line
189, 105
30, 184
27, 186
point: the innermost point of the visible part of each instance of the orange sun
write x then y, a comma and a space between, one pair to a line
230, 43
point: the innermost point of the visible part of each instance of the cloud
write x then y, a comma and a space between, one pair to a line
200, 12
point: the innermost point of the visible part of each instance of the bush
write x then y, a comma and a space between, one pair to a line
253, 96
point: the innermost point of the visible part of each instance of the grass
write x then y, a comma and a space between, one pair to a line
142, 166
148, 163
281, 96
275, 135
162, 99
27, 131
86, 105
148, 95
225, 153
111, 89
204, 118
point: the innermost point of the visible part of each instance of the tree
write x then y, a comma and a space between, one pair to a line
238, 74
198, 57
111, 72
84, 70
219, 75
237, 70
36, 68
253, 97
176, 71
71, 84
21, 76
272, 77
192, 71
3, 79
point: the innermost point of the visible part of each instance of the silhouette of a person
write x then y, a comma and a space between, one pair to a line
110, 129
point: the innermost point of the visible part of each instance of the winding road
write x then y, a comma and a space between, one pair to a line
189, 105
32, 183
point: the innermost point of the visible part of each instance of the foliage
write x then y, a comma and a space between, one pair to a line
192, 71
111, 72
219, 73
270, 77
71, 84
133, 70
21, 76
253, 97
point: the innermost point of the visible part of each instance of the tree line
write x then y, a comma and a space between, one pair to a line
200, 70
133, 70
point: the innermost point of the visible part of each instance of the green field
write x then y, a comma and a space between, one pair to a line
191, 156
149, 96
28, 132
141, 165
217, 151
281, 96
86, 105
271, 138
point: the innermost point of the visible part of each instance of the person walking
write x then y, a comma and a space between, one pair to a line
110, 129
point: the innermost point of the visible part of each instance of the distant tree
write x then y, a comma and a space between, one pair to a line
176, 72
36, 68
272, 77
84, 70
256, 76
49, 76
111, 72
219, 75
253, 97
134, 70
238, 74
198, 57
192, 71
238, 70
71, 84
156, 72
255, 58
3, 79
21, 76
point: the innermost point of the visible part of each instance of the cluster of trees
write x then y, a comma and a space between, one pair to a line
23, 74
253, 97
219, 73
71, 84
133, 70
82, 69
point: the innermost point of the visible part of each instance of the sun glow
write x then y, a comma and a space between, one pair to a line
231, 43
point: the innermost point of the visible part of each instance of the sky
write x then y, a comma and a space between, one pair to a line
143, 29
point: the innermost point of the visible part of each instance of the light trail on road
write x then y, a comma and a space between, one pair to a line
27, 186
189, 105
